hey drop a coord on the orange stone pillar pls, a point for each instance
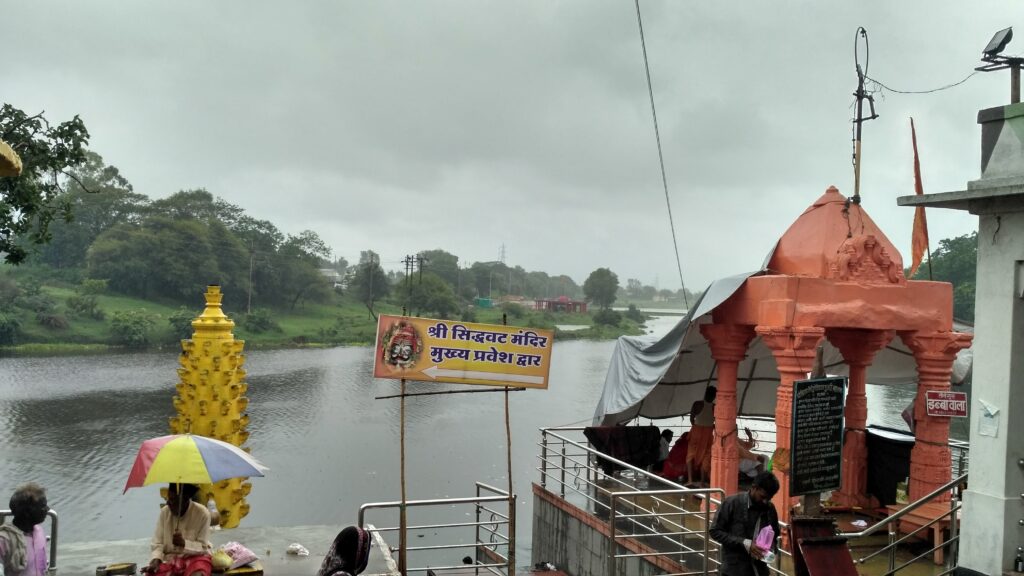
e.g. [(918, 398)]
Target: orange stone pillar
[(793, 348), (858, 348), (930, 458), (728, 343)]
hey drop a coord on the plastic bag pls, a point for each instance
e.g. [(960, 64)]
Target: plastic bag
[(297, 549), (240, 555), (766, 541)]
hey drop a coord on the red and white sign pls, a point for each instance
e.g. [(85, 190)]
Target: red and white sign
[(939, 403)]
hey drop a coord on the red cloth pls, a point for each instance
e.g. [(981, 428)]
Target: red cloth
[(675, 465), (919, 237), (185, 566), (699, 449)]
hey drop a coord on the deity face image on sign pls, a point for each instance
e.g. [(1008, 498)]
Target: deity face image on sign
[(402, 345)]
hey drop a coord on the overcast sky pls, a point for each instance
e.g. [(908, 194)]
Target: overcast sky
[(465, 126)]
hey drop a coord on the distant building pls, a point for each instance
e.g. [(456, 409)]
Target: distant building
[(560, 304), (332, 276)]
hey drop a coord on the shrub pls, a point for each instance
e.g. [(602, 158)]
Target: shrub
[(608, 317), (468, 315), (514, 310), (93, 286), (9, 292), (635, 314), (9, 328), (52, 320), (260, 320), (131, 327), (36, 301), (181, 323), (85, 306)]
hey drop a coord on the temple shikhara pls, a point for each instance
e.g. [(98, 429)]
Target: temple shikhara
[(834, 275)]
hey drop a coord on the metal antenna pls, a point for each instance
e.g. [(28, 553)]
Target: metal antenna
[(861, 95)]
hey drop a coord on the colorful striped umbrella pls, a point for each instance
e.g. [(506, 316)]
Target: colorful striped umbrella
[(190, 459)]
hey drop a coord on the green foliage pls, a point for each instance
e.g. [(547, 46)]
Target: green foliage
[(93, 286), (368, 282), (607, 317), (260, 320), (9, 328), (52, 320), (429, 295), (956, 261), (601, 286), (10, 291), (29, 202), (181, 323), (634, 314), (85, 306), (514, 310), (468, 315), (131, 328)]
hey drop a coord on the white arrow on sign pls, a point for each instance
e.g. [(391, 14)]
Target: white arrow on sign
[(435, 373)]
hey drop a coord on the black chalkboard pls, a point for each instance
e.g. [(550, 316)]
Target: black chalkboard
[(816, 454)]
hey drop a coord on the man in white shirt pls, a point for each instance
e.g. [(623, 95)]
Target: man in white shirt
[(181, 543)]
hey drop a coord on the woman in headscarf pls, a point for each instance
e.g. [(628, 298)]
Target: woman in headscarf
[(348, 554)]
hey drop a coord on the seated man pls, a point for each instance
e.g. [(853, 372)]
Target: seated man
[(181, 544), (350, 553), (664, 446), (23, 545)]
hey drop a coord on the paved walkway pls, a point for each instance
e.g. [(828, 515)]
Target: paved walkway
[(269, 543)]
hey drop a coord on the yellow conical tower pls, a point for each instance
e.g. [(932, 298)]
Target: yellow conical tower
[(211, 398)]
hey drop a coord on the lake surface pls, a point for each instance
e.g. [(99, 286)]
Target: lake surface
[(74, 424)]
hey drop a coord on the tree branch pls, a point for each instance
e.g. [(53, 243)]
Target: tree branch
[(19, 124), (80, 183)]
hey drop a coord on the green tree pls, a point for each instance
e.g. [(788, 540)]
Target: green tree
[(99, 198), (956, 261), (31, 201), (600, 287), (368, 282), (445, 265), (429, 295)]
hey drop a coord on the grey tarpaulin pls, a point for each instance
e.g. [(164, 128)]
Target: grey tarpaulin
[(661, 378)]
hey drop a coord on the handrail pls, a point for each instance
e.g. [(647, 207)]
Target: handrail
[(907, 510), (53, 536)]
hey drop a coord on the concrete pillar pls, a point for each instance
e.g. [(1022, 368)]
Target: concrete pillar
[(993, 503), (930, 459), (793, 349), (728, 343), (858, 348)]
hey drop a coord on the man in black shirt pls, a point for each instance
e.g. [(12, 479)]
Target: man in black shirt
[(737, 523)]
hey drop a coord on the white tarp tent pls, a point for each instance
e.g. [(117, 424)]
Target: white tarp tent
[(661, 378)]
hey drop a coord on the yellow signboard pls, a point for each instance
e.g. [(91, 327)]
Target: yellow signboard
[(462, 352)]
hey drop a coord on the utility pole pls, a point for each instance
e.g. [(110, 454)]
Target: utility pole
[(861, 95), (252, 259)]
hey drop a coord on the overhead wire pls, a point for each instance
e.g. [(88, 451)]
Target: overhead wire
[(661, 157)]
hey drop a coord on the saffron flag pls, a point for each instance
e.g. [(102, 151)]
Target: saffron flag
[(919, 237)]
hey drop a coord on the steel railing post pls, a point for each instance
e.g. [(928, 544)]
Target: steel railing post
[(543, 458), (562, 486), (892, 547), (954, 530), (612, 548), (707, 530), (512, 536)]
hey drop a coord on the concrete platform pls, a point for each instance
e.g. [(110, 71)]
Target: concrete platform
[(269, 543)]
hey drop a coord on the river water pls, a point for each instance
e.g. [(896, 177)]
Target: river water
[(74, 424)]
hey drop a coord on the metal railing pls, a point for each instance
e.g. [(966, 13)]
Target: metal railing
[(491, 530), (893, 522), (645, 509), (52, 537)]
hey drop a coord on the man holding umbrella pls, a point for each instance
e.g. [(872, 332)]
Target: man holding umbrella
[(181, 545)]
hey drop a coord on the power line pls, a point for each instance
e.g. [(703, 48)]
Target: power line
[(939, 89), (661, 158)]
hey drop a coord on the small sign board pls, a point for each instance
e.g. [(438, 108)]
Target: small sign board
[(945, 403), (462, 352), (816, 455)]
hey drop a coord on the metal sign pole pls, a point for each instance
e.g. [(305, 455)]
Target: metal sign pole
[(511, 497), (402, 525)]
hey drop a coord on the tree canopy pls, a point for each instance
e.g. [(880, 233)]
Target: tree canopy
[(31, 201), (601, 286), (955, 261)]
